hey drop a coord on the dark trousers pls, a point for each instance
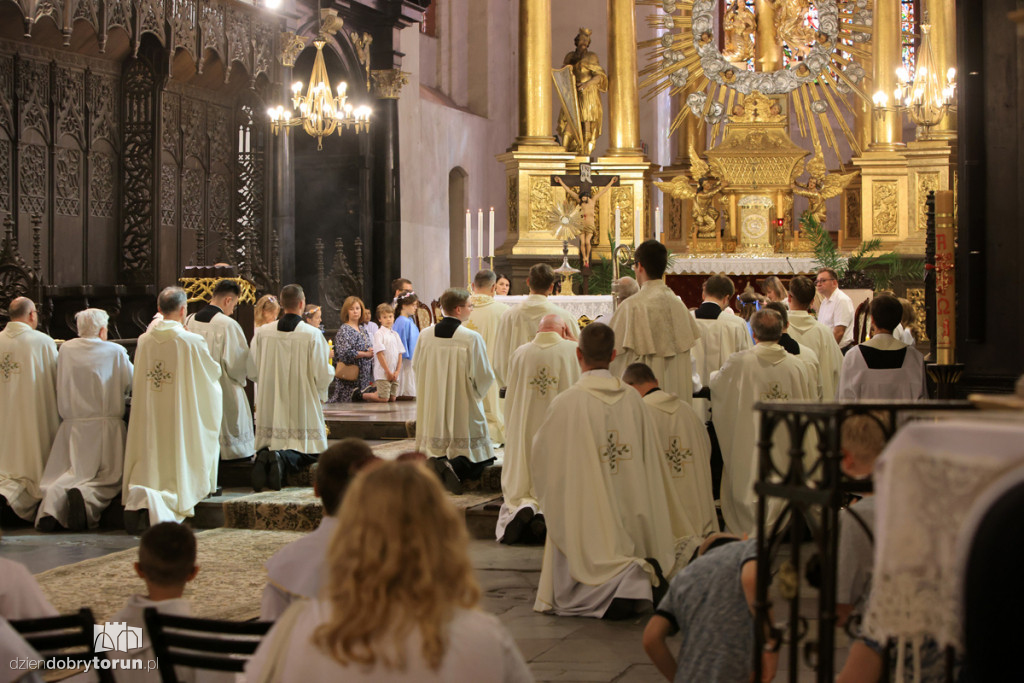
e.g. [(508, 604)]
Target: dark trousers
[(295, 462), (717, 464)]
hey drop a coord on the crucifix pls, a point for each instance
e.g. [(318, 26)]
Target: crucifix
[(587, 200)]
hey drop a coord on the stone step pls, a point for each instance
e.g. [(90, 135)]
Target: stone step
[(481, 519)]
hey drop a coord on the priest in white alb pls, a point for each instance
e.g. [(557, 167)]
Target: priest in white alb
[(452, 377), (765, 372), (290, 361), (485, 318), (86, 462), (519, 323), (540, 370), (226, 342), (686, 450), (883, 367), (173, 446), (803, 353), (28, 407), (654, 327), (596, 470), (805, 329), (722, 333)]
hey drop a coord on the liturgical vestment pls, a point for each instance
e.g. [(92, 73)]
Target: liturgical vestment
[(765, 372), (290, 360), (883, 367), (804, 328), (452, 378), (519, 325), (596, 470), (686, 450), (28, 413), (485, 318), (540, 370), (93, 378), (654, 327), (170, 460), (226, 341), (720, 337)]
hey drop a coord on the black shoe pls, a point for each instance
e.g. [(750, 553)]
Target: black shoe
[(78, 520), (469, 470), (658, 592), (259, 471), (538, 529), (136, 521), (447, 475), (515, 528), (621, 608), (47, 524), (275, 471)]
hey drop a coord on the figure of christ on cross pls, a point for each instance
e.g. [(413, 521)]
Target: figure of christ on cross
[(587, 202)]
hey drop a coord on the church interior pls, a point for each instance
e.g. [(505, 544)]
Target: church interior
[(491, 156)]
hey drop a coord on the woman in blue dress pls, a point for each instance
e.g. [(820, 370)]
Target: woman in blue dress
[(408, 332), (352, 346)]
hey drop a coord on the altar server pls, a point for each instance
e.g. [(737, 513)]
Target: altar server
[(290, 360), (765, 372), (722, 333), (519, 324), (485, 317), (173, 446), (452, 378), (805, 329), (28, 407), (803, 353), (686, 449), (654, 326), (227, 345), (595, 469), (84, 471), (883, 367), (540, 370)]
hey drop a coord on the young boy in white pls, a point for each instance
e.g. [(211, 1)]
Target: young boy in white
[(387, 355)]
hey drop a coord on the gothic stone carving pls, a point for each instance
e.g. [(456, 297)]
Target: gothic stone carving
[(926, 182), (513, 205), (193, 127), (192, 199), (387, 83), (71, 105), (68, 172), (239, 42), (32, 178), (181, 15), (885, 208), (101, 185), (170, 129), (103, 108), (137, 233), (34, 96), (5, 175), (168, 195), (211, 29)]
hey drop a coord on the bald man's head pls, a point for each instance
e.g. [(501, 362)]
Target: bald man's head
[(552, 323), (23, 310)]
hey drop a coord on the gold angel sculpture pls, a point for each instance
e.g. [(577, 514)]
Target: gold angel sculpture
[(739, 26), (791, 25), (820, 186), (703, 212)]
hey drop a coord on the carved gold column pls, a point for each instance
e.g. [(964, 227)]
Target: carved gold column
[(623, 98), (886, 132), (535, 73), (769, 49), (941, 16)]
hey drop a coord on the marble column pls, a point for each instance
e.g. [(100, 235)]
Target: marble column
[(623, 87), (535, 73), (943, 41), (283, 198), (385, 242), (886, 131)]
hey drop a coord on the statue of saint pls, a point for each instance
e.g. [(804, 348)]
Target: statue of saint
[(740, 25), (591, 81), (791, 25), (587, 206)]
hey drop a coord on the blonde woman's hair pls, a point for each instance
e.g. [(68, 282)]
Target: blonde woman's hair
[(397, 563), (266, 303)]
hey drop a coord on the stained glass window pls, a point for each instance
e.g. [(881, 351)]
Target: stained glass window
[(909, 20)]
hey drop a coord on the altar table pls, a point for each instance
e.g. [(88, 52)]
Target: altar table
[(695, 264), (589, 305)]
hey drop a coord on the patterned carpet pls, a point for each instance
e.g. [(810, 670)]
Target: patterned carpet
[(228, 586)]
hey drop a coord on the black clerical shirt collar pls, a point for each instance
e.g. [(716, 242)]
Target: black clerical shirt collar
[(446, 328), (652, 391), (288, 322), (207, 313), (708, 310)]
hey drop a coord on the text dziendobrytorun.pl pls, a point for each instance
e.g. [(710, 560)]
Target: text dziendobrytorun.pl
[(72, 664)]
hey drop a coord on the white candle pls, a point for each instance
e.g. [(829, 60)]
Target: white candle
[(480, 234), (469, 239), (638, 229), (491, 241), (618, 226), (657, 223)]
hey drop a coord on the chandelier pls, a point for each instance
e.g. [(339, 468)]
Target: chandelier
[(320, 111), (923, 97)]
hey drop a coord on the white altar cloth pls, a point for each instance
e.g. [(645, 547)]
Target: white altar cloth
[(590, 305), (694, 264)]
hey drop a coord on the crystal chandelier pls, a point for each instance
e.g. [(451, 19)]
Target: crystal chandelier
[(320, 111), (924, 98)]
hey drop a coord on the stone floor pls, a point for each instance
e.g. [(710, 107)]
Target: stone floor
[(557, 648)]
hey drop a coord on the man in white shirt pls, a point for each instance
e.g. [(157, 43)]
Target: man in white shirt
[(84, 471), (519, 323), (540, 370), (28, 407), (765, 372), (290, 360), (812, 334), (452, 378), (173, 445), (654, 327), (836, 309), (883, 367), (485, 318), (226, 342)]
